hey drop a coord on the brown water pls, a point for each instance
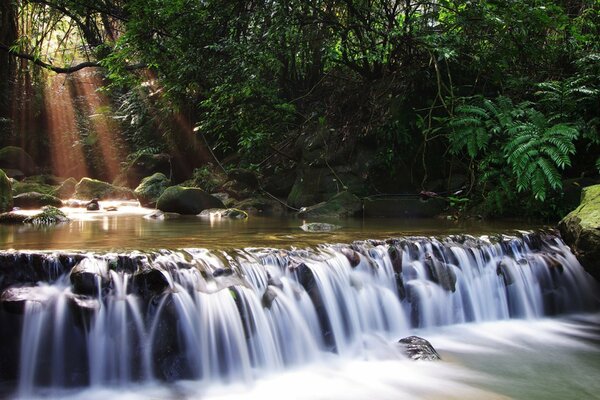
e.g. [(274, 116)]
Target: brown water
[(128, 229)]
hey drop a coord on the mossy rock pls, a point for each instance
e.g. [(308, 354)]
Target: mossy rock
[(581, 230), (49, 216), (6, 197), (27, 186), (344, 204), (67, 189), (87, 189), (35, 200), (12, 218), (16, 158), (186, 200), (150, 189), (231, 213)]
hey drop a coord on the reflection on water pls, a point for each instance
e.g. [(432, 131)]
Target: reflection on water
[(127, 229)]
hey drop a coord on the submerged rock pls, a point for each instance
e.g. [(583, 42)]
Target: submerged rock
[(34, 200), (319, 227), (581, 230), (150, 189), (417, 348), (232, 213), (6, 198), (186, 200)]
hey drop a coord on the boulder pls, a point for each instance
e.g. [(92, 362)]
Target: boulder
[(93, 205), (186, 200), (417, 348), (150, 189), (34, 200), (12, 218), (244, 177), (581, 230), (14, 299), (344, 204), (67, 189), (142, 166), (28, 185), (13, 157), (87, 189), (6, 197), (88, 276), (49, 216)]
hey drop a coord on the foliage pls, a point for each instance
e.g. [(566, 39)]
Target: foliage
[(514, 145)]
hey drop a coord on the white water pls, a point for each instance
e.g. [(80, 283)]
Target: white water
[(252, 323)]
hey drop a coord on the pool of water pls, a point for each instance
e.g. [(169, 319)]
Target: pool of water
[(128, 229)]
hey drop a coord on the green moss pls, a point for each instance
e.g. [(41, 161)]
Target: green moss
[(49, 216), (29, 186), (88, 188), (150, 189)]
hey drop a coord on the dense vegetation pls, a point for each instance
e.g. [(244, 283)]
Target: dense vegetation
[(504, 93)]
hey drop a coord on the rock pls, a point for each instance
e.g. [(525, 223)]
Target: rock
[(12, 218), (319, 227), (150, 189), (88, 188), (88, 276), (280, 183), (268, 297), (441, 273), (225, 198), (150, 282), (13, 157), (92, 205), (232, 213), (185, 200), (6, 197), (27, 186), (581, 230), (143, 166), (159, 215), (111, 208), (417, 348), (67, 189), (352, 256), (244, 176), (49, 216), (14, 299), (34, 200), (344, 204), (261, 205), (15, 174)]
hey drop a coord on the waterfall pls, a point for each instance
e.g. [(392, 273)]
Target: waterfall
[(215, 316)]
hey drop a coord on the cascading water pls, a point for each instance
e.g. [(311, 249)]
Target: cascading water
[(231, 316)]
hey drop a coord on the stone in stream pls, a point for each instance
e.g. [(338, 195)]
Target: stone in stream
[(352, 256), (34, 200), (49, 216), (344, 204), (66, 190), (88, 276), (14, 299), (88, 188), (232, 213), (12, 218), (93, 205), (319, 227), (150, 189), (417, 348), (186, 200)]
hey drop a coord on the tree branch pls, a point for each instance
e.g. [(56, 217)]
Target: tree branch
[(63, 70)]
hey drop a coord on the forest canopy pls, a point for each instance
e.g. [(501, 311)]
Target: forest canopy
[(505, 93)]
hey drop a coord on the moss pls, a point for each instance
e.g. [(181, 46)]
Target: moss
[(150, 189), (186, 200), (6, 198), (33, 200), (32, 186), (49, 216)]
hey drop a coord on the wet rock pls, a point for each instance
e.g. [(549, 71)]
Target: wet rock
[(319, 227), (232, 213), (6, 197), (67, 189), (159, 215), (13, 157), (12, 218), (88, 276), (503, 270), (92, 205), (111, 208), (150, 282), (417, 348), (581, 230), (88, 188), (268, 297), (14, 299), (222, 272), (186, 200), (150, 189), (34, 200), (441, 273), (344, 204), (395, 255), (352, 256), (49, 216)]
